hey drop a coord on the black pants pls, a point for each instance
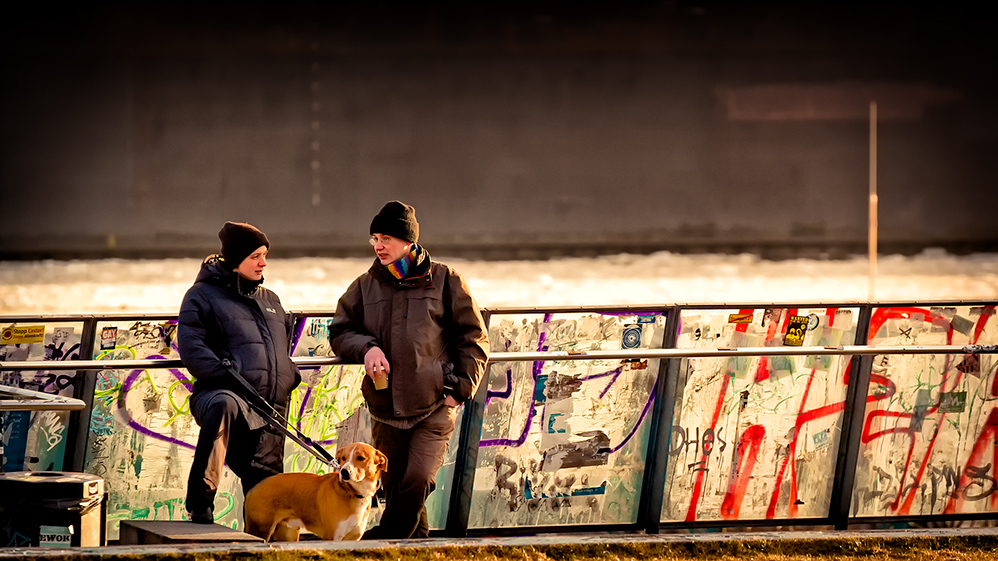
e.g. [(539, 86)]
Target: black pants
[(414, 457), (224, 439)]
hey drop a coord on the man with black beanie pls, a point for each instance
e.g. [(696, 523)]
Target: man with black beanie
[(416, 328), (230, 323)]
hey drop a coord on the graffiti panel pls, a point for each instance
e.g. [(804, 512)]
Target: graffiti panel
[(565, 442), (757, 437), (36, 440), (930, 431), (142, 436)]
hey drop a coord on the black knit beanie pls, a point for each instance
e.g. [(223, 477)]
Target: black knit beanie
[(397, 219), (239, 240)]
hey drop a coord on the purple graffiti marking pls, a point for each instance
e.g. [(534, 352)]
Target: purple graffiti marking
[(173, 344), (299, 328), (504, 393), (301, 415), (304, 403), (131, 422), (518, 441), (651, 399), (615, 373), (536, 371)]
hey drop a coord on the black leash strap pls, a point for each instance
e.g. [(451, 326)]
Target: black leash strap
[(278, 421)]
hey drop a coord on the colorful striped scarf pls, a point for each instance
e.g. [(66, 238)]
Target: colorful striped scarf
[(399, 268)]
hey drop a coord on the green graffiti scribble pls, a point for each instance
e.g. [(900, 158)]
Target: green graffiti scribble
[(230, 505), (107, 355), (179, 410)]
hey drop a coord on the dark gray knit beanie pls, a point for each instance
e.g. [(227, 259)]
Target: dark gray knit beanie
[(239, 240), (398, 220)]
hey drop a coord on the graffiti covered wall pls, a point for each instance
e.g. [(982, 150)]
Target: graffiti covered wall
[(930, 433), (757, 437), (36, 440), (565, 442)]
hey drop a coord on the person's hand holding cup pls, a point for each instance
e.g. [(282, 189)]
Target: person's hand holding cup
[(376, 365)]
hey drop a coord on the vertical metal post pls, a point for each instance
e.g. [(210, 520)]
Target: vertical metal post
[(86, 382), (466, 460), (852, 427), (660, 433), (873, 201)]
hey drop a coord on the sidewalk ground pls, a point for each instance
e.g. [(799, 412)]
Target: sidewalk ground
[(969, 543)]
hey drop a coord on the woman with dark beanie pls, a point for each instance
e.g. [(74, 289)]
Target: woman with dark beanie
[(230, 322), (413, 321)]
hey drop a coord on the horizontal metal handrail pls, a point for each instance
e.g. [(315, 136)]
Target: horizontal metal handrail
[(30, 400), (307, 361)]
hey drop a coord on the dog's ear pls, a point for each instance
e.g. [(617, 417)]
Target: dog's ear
[(381, 461)]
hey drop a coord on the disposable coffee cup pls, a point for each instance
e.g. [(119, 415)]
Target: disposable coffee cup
[(380, 379)]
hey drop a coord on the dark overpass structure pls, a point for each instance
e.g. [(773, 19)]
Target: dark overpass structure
[(516, 129)]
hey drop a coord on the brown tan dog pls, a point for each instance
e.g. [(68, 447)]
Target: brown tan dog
[(334, 506)]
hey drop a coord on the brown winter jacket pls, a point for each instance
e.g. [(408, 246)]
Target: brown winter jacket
[(427, 324)]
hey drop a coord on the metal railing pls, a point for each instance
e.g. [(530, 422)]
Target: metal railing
[(662, 415)]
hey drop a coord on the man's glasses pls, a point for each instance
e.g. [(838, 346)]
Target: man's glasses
[(382, 240)]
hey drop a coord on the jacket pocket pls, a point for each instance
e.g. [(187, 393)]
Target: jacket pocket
[(423, 316)]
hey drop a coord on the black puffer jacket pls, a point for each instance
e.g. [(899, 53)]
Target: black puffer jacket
[(218, 323)]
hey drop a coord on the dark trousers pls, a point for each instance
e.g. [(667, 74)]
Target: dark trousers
[(414, 457), (222, 424)]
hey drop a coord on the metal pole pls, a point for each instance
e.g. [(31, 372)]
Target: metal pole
[(873, 201), (466, 459), (722, 352), (660, 432), (852, 428)]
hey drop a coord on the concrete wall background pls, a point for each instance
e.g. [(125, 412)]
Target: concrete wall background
[(516, 130)]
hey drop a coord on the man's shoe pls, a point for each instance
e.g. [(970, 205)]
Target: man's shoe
[(374, 533), (202, 517)]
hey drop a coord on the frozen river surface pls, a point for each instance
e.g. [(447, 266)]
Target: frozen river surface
[(109, 286)]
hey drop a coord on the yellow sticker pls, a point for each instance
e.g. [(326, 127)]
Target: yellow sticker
[(740, 318), (796, 329), (21, 334)]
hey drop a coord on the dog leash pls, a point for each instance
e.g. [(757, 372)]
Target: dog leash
[(278, 421)]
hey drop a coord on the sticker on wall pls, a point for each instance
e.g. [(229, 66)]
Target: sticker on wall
[(812, 321), (647, 318), (771, 315), (796, 328), (915, 325), (962, 324), (952, 402), (22, 334), (971, 364), (539, 387), (941, 319), (822, 439), (108, 338), (986, 311), (593, 451), (634, 364), (740, 318), (631, 338), (781, 367)]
